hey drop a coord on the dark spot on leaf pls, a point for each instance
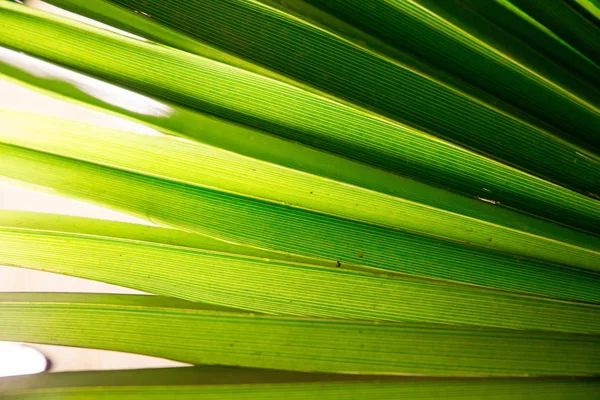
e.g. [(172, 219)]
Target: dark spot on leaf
[(360, 254), (338, 264)]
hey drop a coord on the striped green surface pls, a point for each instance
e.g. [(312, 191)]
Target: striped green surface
[(202, 270), (246, 383), (509, 29), (461, 219), (291, 109), (337, 59), (224, 214), (565, 19), (203, 376), (412, 26), (242, 339), (589, 8), (377, 196)]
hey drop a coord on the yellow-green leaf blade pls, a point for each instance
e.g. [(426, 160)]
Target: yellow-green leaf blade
[(300, 115), (463, 220), (233, 277), (211, 383), (240, 339)]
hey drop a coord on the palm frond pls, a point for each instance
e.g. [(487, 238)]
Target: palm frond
[(358, 199)]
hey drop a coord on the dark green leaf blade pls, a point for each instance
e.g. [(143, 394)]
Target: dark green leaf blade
[(201, 376), (419, 28), (514, 32), (568, 23)]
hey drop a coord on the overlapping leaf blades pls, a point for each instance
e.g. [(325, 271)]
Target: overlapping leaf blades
[(338, 59), (210, 383), (233, 93), (524, 39), (141, 324), (239, 277), (246, 201), (474, 60), (320, 236)]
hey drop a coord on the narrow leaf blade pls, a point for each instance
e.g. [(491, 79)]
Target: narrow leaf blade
[(208, 337)]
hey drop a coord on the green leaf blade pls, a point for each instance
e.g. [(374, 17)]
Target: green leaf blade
[(566, 21), (265, 32), (422, 156), (417, 27), (167, 384), (290, 230), (238, 277), (214, 169), (295, 344)]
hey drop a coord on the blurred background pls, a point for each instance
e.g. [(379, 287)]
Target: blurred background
[(15, 358)]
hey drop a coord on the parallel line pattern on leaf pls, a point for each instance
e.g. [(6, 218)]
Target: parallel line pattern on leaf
[(295, 344), (263, 102), (282, 285)]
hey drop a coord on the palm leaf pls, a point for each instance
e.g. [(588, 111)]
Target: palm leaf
[(244, 383), (201, 269), (200, 376), (372, 189), (524, 39), (272, 25), (589, 8), (121, 322), (212, 168), (354, 66), (305, 116), (237, 197), (454, 47), (565, 20)]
